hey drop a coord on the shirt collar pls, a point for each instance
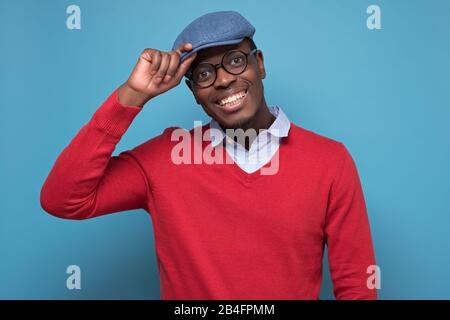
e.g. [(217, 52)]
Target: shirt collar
[(279, 128)]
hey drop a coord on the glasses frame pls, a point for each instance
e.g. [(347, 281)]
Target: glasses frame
[(220, 65)]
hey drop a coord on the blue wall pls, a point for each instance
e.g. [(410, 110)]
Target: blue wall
[(384, 93)]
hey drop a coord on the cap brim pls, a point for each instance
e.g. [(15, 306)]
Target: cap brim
[(186, 55)]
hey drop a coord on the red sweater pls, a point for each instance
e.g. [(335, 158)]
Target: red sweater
[(221, 233)]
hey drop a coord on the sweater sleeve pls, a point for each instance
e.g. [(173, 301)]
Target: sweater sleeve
[(347, 232), (85, 180)]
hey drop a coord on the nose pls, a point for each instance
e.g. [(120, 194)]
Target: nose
[(223, 78)]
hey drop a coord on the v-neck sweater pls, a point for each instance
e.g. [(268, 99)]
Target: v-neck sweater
[(219, 232)]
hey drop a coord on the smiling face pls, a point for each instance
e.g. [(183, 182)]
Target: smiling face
[(234, 101)]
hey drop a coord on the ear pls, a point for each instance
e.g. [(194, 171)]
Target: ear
[(188, 83), (260, 61)]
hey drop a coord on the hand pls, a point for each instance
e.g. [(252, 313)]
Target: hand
[(155, 73)]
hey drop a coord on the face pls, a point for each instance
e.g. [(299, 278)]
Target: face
[(247, 86)]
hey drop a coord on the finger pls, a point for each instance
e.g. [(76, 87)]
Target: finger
[(173, 66), (159, 76), (184, 66), (147, 55), (184, 47), (156, 62)]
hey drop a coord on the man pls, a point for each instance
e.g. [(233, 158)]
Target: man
[(222, 230)]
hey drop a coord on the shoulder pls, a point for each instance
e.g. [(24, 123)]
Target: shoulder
[(158, 145), (312, 141), (328, 155), (319, 149)]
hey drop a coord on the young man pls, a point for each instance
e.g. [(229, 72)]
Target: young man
[(223, 229)]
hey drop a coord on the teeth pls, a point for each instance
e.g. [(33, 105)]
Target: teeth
[(232, 98)]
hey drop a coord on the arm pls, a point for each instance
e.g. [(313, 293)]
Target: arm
[(348, 236), (85, 180)]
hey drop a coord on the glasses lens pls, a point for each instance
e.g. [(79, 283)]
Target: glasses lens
[(203, 74), (235, 62)]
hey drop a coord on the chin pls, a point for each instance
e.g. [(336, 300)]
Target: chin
[(238, 120)]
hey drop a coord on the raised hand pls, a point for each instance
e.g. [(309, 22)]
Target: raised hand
[(155, 73)]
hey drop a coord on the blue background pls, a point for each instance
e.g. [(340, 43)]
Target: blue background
[(384, 93)]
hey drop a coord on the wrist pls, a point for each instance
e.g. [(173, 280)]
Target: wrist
[(129, 97)]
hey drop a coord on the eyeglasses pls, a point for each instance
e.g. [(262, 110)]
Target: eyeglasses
[(234, 62)]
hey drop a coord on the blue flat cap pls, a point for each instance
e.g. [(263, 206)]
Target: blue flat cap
[(214, 29)]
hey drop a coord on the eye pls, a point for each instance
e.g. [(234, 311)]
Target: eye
[(203, 74), (236, 60)]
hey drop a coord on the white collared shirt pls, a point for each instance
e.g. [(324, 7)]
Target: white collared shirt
[(262, 148)]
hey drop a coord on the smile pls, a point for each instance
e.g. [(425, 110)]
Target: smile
[(233, 102)]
